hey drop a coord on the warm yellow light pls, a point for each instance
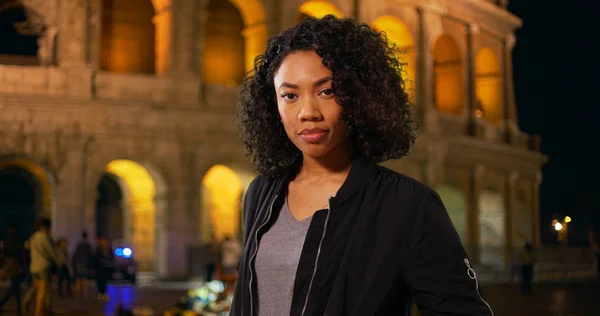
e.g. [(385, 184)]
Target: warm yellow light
[(479, 113), (558, 226), (448, 76), (400, 37), (319, 9), (488, 84), (224, 188), (141, 190), (567, 219)]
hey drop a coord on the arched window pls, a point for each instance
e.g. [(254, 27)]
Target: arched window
[(224, 48), (488, 85), (128, 37), (448, 76)]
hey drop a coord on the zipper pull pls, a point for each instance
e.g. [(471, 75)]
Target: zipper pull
[(470, 270)]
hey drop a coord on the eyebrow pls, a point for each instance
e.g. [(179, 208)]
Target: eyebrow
[(294, 86)]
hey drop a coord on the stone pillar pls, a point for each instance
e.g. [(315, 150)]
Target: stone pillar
[(535, 230), (509, 121), (163, 49), (473, 190), (184, 30), (471, 92), (73, 32), (255, 39), (510, 226), (424, 74)]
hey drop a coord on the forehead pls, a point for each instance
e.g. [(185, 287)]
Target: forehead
[(301, 66)]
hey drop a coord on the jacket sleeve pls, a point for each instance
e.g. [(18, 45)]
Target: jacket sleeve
[(438, 270)]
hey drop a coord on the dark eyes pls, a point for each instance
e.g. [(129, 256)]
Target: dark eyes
[(291, 97), (326, 92)]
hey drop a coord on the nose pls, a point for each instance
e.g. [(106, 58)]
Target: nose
[(310, 111)]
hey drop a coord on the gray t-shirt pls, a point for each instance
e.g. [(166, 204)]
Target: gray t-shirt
[(277, 261)]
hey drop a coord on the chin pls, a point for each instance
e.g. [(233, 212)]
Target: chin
[(315, 151)]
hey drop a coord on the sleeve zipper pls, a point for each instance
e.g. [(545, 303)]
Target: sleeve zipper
[(473, 276)]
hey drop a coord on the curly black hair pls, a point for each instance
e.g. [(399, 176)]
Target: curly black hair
[(367, 83)]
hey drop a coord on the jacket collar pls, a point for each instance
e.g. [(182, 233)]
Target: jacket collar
[(361, 170)]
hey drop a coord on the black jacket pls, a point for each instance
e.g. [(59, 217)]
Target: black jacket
[(384, 240)]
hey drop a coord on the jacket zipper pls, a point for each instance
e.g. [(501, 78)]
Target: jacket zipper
[(312, 278), (473, 276), (256, 251)]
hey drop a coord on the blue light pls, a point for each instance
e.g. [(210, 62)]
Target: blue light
[(127, 252), (119, 252)]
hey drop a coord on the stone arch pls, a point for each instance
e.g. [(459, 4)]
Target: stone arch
[(318, 9), (36, 183), (144, 206), (455, 201), (223, 49), (448, 69), (221, 192), (488, 86), (29, 27), (399, 35), (128, 42)]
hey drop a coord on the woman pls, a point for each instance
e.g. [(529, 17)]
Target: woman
[(13, 266), (327, 230)]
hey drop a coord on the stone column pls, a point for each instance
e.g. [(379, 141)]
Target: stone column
[(73, 32), (163, 49), (424, 73), (510, 231), (255, 39), (535, 230), (509, 122), (471, 92), (473, 190)]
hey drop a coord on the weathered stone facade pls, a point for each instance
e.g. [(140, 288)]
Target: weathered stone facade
[(70, 118)]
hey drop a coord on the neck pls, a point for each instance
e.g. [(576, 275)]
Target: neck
[(337, 162)]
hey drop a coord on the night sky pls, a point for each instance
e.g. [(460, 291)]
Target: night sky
[(556, 74)]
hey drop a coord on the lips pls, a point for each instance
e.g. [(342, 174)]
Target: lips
[(313, 135)]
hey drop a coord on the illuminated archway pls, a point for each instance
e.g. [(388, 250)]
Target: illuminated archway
[(488, 85), (318, 9), (492, 232), (143, 206), (456, 204), (223, 49), (448, 76), (398, 35), (222, 189), (222, 194), (128, 37)]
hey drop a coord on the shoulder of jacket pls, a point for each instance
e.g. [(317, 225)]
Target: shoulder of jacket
[(404, 185)]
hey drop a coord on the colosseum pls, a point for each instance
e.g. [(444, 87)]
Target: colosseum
[(116, 117)]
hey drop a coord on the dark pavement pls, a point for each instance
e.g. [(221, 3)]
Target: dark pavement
[(506, 300)]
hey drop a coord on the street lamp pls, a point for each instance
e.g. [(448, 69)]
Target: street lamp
[(562, 228)]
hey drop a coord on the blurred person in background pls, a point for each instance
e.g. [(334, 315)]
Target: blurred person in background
[(13, 265), (64, 273), (82, 264), (104, 266)]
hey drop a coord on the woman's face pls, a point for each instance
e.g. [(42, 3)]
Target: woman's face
[(309, 112)]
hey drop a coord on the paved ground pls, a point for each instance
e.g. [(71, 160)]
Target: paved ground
[(506, 300)]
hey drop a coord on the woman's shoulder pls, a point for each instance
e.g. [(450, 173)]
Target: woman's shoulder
[(400, 185)]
